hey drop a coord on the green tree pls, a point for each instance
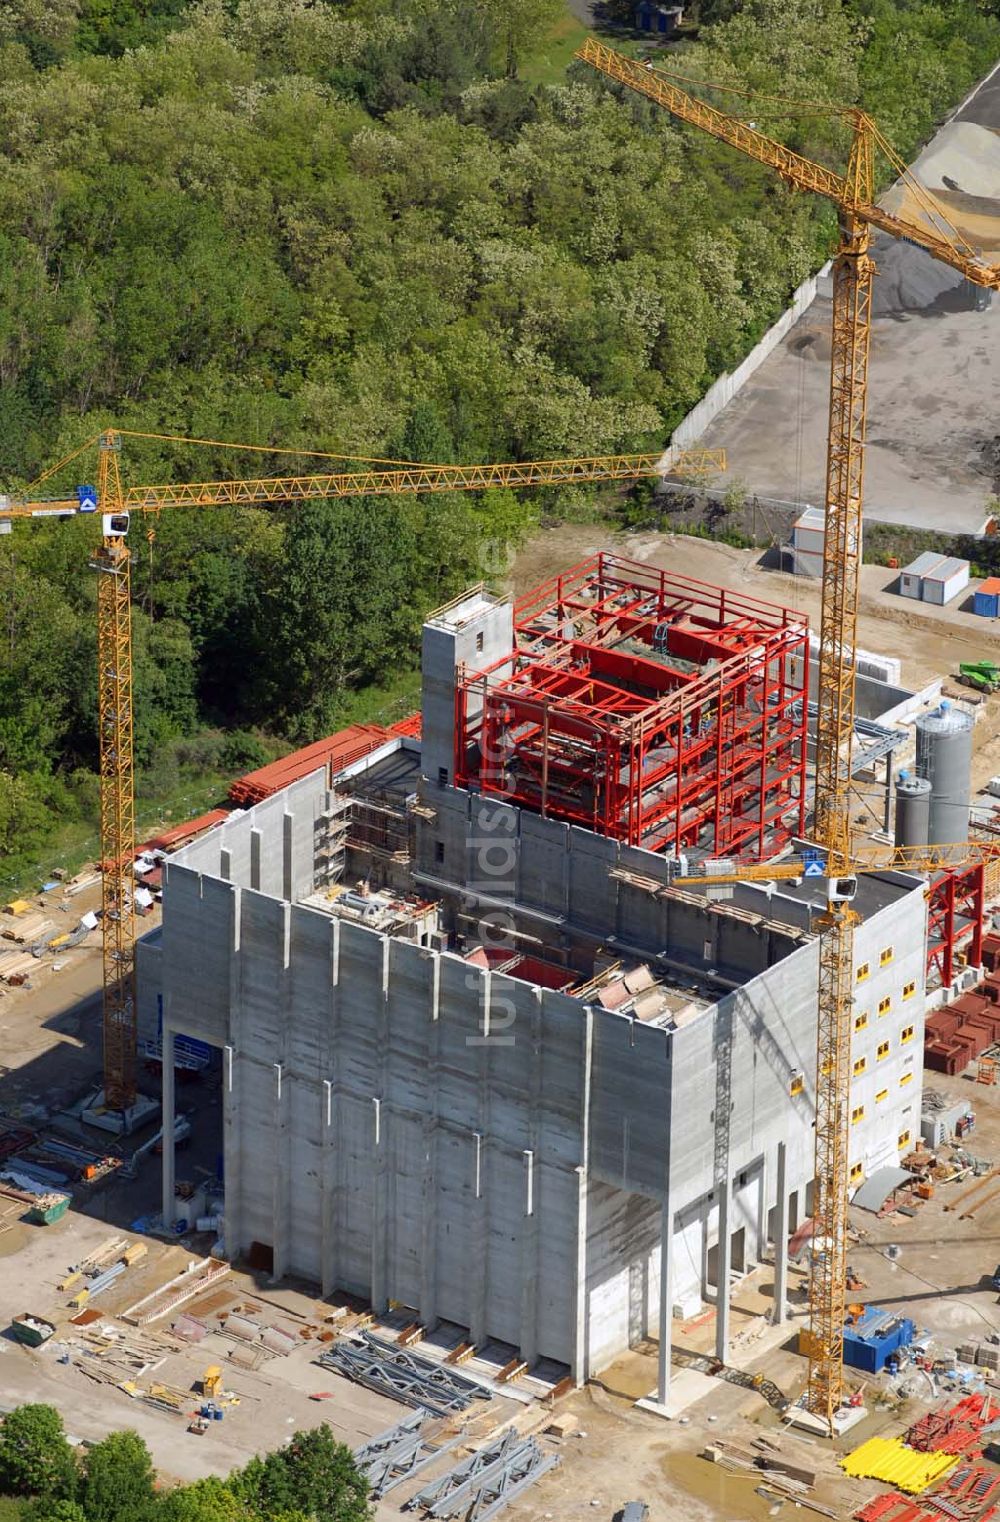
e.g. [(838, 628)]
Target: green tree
[(118, 1480), (57, 1511), (314, 1475), (336, 612), (35, 1458), (23, 815), (519, 24), (209, 1500)]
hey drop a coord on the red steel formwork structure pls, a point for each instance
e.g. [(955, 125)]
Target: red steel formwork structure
[(644, 705)]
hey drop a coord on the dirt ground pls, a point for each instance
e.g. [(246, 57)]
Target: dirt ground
[(50, 1027), (929, 420), (274, 1400)]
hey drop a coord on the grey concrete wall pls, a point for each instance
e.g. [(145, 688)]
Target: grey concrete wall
[(450, 640), (416, 1155), (270, 847), (404, 1125), (554, 878), (148, 982), (623, 1240)]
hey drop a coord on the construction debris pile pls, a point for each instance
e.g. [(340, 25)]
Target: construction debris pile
[(786, 1472)]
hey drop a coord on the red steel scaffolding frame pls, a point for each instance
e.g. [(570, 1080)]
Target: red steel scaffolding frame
[(646, 706), (956, 908)]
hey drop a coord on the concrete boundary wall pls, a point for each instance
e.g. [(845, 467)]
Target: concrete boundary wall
[(729, 384)]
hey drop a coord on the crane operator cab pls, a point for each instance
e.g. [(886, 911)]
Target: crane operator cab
[(114, 525), (840, 890)]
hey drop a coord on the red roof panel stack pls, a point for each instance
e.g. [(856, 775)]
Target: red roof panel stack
[(410, 727), (336, 752), (181, 834)]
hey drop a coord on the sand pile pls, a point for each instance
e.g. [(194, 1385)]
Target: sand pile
[(908, 280), (963, 157)]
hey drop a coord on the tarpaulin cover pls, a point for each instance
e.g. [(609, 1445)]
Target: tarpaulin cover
[(874, 1192)]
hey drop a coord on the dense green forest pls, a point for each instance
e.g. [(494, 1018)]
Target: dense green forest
[(358, 226)]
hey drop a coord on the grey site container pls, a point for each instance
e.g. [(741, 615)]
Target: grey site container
[(944, 757), (913, 809), (937, 1125)]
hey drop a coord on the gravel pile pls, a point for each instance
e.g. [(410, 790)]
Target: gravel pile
[(964, 162), (908, 280)]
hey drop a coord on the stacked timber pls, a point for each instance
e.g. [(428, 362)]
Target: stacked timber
[(16, 967), (27, 928)]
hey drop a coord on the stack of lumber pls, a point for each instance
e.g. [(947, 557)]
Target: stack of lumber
[(27, 928), (16, 967)]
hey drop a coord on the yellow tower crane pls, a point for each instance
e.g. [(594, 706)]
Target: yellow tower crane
[(853, 194), (115, 503)]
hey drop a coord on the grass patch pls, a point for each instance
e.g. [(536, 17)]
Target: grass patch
[(188, 777), (386, 704), (549, 64), (74, 843), (12, 1509)]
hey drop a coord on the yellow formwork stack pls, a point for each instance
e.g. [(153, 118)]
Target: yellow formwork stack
[(889, 1459)]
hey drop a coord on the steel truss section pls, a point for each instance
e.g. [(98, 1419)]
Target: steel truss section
[(442, 1495), (403, 1375), (522, 1471), (643, 705), (481, 1485), (398, 1453)]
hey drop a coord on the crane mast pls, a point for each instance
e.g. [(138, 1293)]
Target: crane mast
[(117, 784), (852, 292), (853, 195)]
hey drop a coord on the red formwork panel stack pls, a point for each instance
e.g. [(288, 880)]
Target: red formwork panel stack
[(958, 1033), (945, 1051), (991, 952)]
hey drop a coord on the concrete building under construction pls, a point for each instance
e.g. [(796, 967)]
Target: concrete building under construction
[(479, 1055)]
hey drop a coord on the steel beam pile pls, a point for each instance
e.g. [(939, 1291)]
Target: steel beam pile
[(483, 1484), (397, 1454), (403, 1375)]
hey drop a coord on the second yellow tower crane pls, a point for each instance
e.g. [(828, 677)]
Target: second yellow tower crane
[(853, 194)]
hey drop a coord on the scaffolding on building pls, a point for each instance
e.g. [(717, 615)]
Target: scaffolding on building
[(649, 707)]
